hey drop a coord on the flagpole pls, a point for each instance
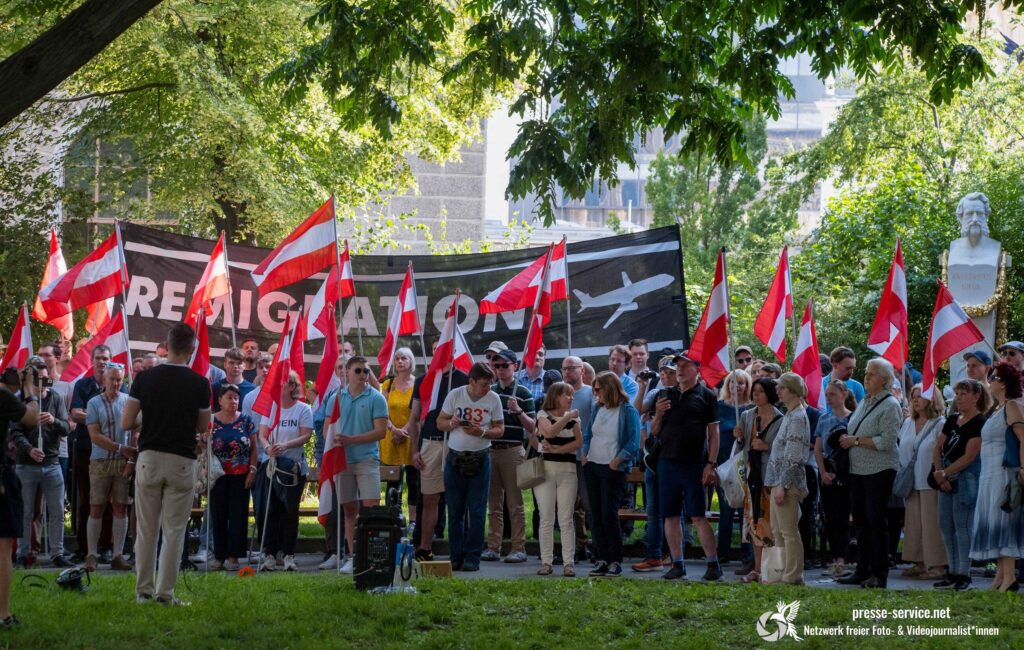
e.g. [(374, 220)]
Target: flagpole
[(124, 283), (536, 305), (568, 303), (423, 345), (451, 373), (729, 341), (792, 299), (337, 511), (231, 302)]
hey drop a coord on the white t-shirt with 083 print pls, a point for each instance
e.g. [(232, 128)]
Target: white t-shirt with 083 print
[(481, 412)]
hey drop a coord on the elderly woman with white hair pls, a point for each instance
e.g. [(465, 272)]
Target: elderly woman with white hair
[(874, 459), (786, 475)]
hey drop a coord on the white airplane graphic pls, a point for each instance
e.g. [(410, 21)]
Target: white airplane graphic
[(625, 297)]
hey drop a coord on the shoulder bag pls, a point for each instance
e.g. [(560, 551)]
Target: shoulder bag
[(838, 461), (904, 483)]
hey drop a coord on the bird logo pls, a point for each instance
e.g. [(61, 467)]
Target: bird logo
[(772, 626)]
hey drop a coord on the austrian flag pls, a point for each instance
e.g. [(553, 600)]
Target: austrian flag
[(710, 345), (951, 331), (307, 250), (55, 267), (521, 291), (404, 320), (213, 284), (451, 349), (770, 326), (99, 276)]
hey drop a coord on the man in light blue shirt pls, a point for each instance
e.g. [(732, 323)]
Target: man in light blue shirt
[(844, 362), (363, 422), (618, 360)]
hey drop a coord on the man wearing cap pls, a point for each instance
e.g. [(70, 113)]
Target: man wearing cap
[(493, 348), (686, 422), (1012, 352), (507, 453), (744, 356), (979, 365)]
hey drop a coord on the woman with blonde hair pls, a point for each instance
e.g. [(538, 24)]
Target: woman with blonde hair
[(786, 476), (396, 448), (733, 399), (610, 442), (922, 538), (558, 436)]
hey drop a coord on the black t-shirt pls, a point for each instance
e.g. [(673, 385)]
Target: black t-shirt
[(957, 436), (684, 427), (429, 430), (514, 431), (250, 375), (12, 409), (171, 397)]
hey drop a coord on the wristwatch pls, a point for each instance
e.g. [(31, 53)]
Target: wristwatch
[(856, 441)]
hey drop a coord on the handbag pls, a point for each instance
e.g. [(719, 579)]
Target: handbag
[(652, 452), (284, 470), (1013, 494), (730, 477), (904, 483), (530, 473), (773, 564), (207, 470)]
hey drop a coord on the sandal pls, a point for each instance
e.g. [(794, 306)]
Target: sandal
[(568, 571), (753, 576), (544, 570)]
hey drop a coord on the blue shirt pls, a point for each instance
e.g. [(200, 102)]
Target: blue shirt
[(855, 387), (630, 386), (535, 386), (357, 416), (244, 388), (106, 414), (85, 389), (727, 415)]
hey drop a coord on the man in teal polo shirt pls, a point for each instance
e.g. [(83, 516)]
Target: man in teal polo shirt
[(364, 418)]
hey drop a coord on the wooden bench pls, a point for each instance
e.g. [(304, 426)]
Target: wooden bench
[(636, 476)]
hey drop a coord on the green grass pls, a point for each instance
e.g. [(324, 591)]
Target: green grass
[(306, 611)]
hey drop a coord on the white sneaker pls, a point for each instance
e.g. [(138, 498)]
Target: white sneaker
[(269, 564), (289, 563), (347, 567), (330, 563), (231, 566), (215, 565)]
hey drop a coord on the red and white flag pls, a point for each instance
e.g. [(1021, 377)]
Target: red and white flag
[(710, 344), (521, 291), (332, 463), (348, 278), (540, 317), (951, 331), (404, 320), (268, 401), (323, 306), (55, 267), (326, 379), (112, 335), (777, 310), (451, 349), (806, 361), (19, 348), (99, 276), (98, 314), (309, 249), (888, 337), (200, 361), (213, 284)]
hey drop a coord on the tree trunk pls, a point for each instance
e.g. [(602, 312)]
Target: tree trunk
[(28, 74), (231, 219)]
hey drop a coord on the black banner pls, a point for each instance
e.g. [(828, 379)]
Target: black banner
[(621, 287)]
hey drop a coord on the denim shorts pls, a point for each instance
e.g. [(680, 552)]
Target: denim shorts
[(680, 490)]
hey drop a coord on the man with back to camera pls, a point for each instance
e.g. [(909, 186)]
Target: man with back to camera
[(175, 406)]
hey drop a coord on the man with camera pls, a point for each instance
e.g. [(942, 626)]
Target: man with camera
[(473, 416), (686, 424), (36, 451)]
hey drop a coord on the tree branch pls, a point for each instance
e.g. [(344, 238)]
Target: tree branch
[(36, 69), (108, 93)]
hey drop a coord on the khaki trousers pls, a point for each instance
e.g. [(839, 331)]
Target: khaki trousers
[(922, 539), (163, 501), (503, 486), (786, 531)]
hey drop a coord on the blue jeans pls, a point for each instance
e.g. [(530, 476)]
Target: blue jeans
[(466, 497), (956, 518), (655, 522), (50, 480)]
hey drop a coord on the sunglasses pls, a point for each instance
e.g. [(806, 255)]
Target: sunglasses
[(1010, 353), (995, 378), (744, 359), (501, 365), (115, 366), (361, 371)]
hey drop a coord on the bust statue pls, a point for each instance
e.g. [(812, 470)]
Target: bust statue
[(972, 269)]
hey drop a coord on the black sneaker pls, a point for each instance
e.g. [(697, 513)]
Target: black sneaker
[(600, 569), (744, 569), (424, 555), (614, 570), (457, 565), (62, 562), (187, 565), (946, 583), (9, 622), (963, 583), (21, 562), (470, 566), (713, 573), (675, 573)]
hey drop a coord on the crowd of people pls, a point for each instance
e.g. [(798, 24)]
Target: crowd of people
[(876, 465)]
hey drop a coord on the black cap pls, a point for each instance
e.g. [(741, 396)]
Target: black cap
[(509, 355)]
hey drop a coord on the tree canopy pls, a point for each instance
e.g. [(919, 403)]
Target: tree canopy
[(593, 75)]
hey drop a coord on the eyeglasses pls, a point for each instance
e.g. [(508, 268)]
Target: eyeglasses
[(744, 359), (564, 368), (1010, 352), (501, 365), (360, 370), (995, 378)]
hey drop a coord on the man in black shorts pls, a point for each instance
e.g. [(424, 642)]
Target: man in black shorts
[(175, 405), (12, 409)]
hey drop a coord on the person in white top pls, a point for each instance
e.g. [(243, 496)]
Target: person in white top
[(284, 445), (922, 538), (473, 417)]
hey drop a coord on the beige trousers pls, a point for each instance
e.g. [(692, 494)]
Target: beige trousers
[(786, 531), (503, 486), (922, 539), (163, 501), (557, 494)]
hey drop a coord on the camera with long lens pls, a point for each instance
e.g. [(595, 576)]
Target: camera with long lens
[(646, 375)]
